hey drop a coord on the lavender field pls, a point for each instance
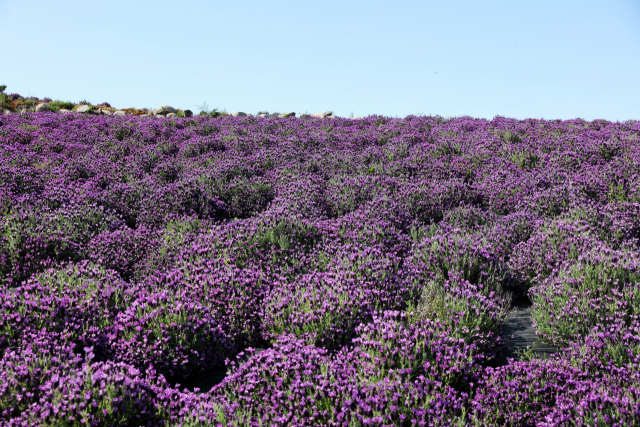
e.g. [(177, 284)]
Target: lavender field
[(375, 260)]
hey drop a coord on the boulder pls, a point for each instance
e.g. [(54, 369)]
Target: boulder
[(166, 109), (105, 112), (332, 116), (285, 115), (119, 113), (239, 114), (83, 108), (320, 115), (328, 113), (6, 112), (356, 118), (42, 107), (170, 115), (188, 113), (64, 111), (265, 115)]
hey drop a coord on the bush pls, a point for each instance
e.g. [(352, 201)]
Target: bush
[(57, 105), (5, 103)]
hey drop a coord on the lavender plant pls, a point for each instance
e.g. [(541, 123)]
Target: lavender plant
[(374, 259)]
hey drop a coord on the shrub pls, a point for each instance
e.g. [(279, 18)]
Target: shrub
[(57, 105)]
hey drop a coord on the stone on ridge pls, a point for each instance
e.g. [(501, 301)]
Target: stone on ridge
[(239, 114), (285, 115), (166, 109), (119, 113), (320, 115), (83, 108), (42, 107), (188, 113), (171, 115)]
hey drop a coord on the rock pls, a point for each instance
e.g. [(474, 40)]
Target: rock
[(105, 112), (239, 114), (170, 115), (166, 109), (188, 113), (6, 112), (83, 108), (356, 118), (320, 115), (285, 115), (331, 116), (328, 113), (119, 113), (64, 111), (42, 107), (263, 115)]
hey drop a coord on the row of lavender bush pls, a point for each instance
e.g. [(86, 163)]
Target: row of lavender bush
[(375, 258)]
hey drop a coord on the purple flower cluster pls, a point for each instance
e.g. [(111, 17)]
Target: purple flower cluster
[(375, 260)]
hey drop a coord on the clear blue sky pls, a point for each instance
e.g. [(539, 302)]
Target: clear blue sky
[(538, 58)]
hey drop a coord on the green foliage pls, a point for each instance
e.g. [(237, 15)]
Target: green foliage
[(57, 105), (525, 160), (5, 103), (3, 88), (617, 193), (512, 138)]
